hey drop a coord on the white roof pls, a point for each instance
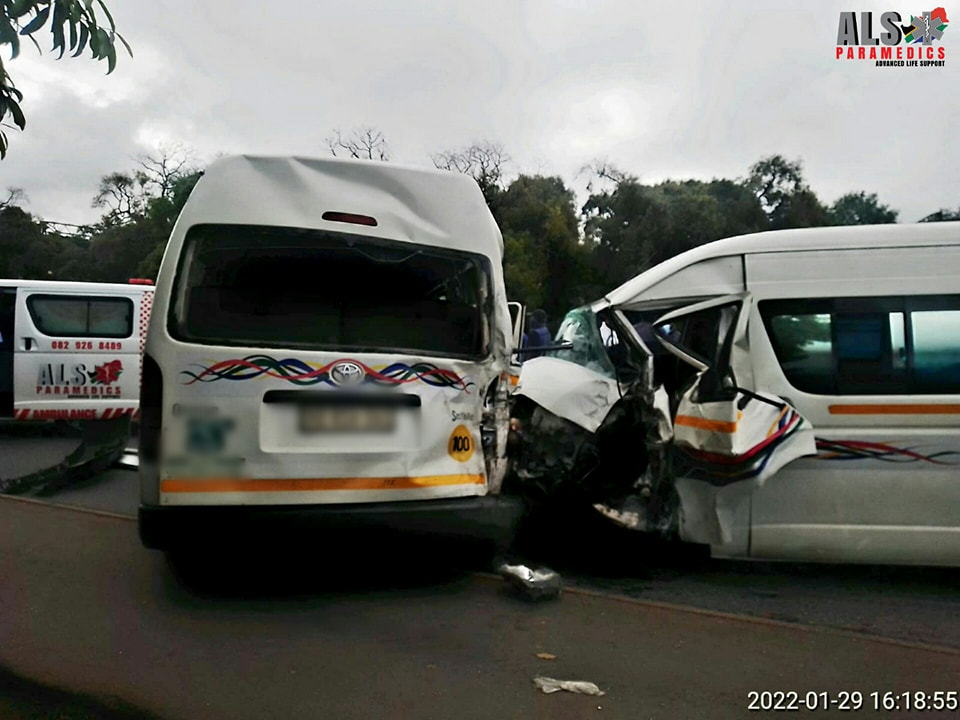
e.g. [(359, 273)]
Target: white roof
[(82, 287), (847, 237), (426, 206)]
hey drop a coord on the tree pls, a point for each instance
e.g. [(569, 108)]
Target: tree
[(631, 226), (363, 143), (74, 25), (942, 215), (126, 195), (162, 214), (860, 209), (15, 196), (483, 161), (141, 207), (779, 185), (27, 249), (545, 264), (123, 195)]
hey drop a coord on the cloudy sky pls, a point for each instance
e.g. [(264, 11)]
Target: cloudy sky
[(662, 91)]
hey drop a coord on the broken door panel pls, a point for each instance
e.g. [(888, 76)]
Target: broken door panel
[(703, 335), (727, 439)]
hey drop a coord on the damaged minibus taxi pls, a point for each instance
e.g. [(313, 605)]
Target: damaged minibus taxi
[(330, 344), (788, 395)]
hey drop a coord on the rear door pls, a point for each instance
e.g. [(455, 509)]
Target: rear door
[(76, 353)]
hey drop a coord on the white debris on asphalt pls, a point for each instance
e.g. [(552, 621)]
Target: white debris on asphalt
[(549, 685), (535, 583)]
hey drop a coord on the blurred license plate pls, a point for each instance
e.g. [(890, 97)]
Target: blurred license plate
[(347, 420)]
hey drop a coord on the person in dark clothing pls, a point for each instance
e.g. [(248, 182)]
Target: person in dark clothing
[(537, 333)]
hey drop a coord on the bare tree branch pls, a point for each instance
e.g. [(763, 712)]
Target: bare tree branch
[(484, 161), (363, 143), (15, 196), (126, 195), (161, 171)]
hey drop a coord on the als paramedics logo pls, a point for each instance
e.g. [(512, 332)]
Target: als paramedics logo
[(899, 44), (78, 380)]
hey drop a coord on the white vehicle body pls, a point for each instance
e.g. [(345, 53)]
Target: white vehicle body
[(71, 350), (854, 330), (327, 333)]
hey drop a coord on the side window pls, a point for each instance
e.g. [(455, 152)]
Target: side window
[(81, 316), (803, 342), (935, 338), (863, 346)]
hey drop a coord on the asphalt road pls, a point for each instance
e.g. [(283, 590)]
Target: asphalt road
[(913, 604), (299, 633)]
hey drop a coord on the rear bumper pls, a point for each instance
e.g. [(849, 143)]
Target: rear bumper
[(492, 519)]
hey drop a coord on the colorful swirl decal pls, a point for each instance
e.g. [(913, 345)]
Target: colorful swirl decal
[(858, 450), (299, 372)]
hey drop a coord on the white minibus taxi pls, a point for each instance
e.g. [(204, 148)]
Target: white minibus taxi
[(330, 343), (799, 395), (71, 350)]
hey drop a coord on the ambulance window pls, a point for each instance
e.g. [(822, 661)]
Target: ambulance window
[(81, 316)]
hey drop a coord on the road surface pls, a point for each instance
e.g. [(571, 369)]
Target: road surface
[(912, 604)]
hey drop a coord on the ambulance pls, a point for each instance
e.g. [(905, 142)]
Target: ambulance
[(71, 350)]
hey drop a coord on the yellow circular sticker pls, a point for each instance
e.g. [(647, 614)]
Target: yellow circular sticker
[(460, 447)]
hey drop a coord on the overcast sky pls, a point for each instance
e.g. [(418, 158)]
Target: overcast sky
[(662, 91)]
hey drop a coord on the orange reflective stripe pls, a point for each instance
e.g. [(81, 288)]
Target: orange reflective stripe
[(229, 485), (724, 426), (915, 409)]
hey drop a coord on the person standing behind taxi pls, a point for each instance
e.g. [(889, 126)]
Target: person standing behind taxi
[(537, 334)]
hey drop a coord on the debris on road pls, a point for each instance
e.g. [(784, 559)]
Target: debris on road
[(43, 457), (546, 656), (549, 686), (534, 583), (129, 460)]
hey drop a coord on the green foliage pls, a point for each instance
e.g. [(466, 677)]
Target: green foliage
[(545, 265), (555, 257), (632, 227), (75, 26), (784, 195), (942, 216), (29, 249), (141, 208), (483, 161), (861, 209)]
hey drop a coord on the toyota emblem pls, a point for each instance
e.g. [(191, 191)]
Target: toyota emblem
[(347, 373)]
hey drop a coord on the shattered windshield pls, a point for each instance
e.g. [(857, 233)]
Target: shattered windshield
[(581, 329), (287, 287)]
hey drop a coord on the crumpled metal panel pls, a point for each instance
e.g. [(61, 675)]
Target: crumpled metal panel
[(569, 391)]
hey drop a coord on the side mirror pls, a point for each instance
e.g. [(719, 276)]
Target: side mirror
[(518, 314)]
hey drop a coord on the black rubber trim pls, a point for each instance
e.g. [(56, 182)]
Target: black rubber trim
[(488, 518)]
